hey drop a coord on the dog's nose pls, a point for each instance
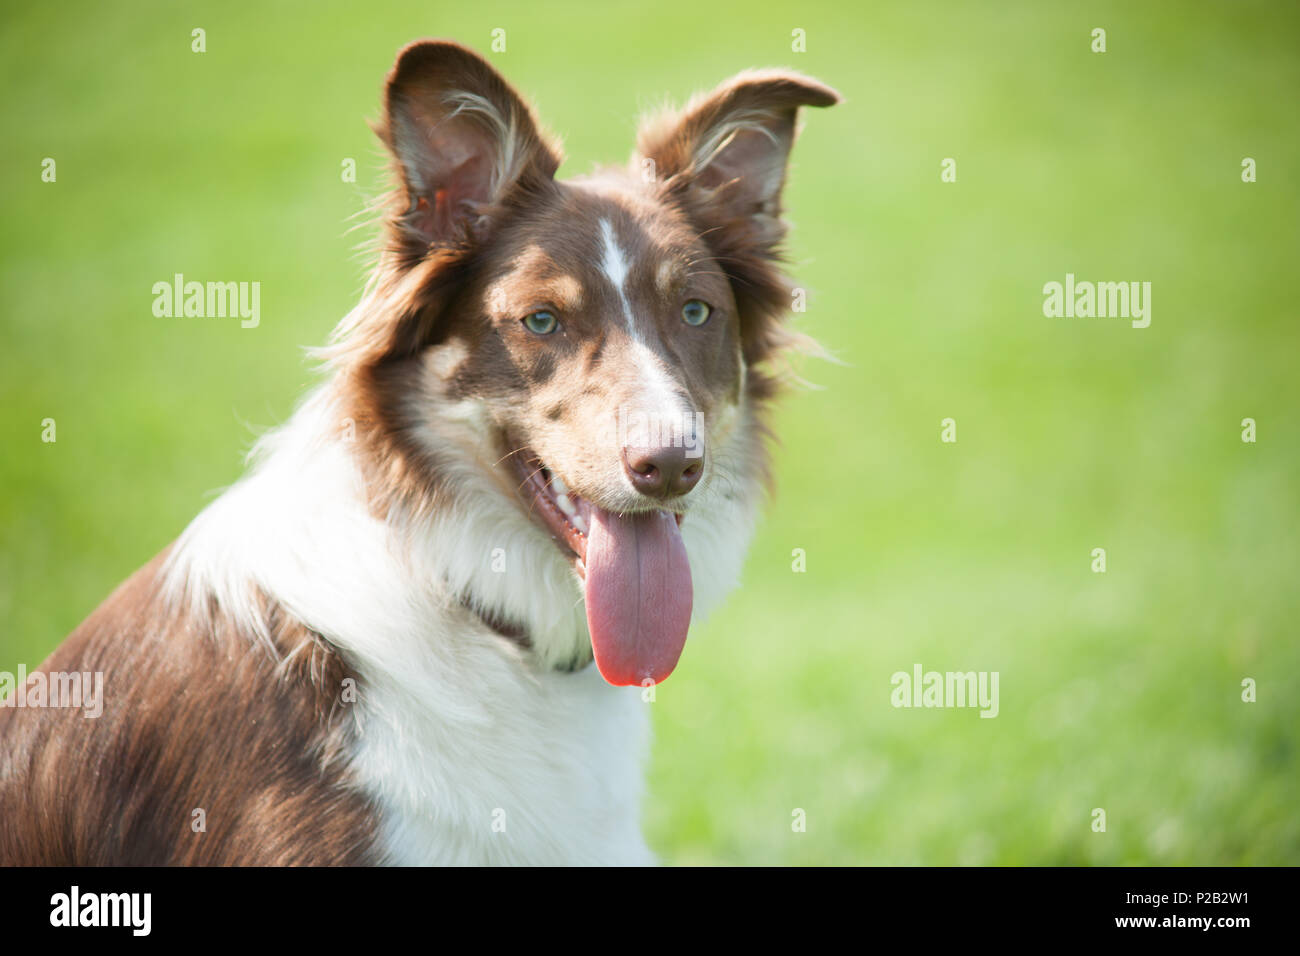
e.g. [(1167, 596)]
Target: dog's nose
[(663, 472)]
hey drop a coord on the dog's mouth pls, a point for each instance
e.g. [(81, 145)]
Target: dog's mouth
[(566, 515), (635, 573)]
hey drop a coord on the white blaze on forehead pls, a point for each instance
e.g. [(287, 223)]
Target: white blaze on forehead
[(661, 402), (614, 263)]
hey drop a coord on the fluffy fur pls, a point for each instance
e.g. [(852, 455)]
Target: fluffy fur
[(374, 620)]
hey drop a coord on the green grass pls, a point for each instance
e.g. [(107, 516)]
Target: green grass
[(1118, 690)]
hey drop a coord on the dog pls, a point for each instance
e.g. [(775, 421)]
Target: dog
[(422, 628)]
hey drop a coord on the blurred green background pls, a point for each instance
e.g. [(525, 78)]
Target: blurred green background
[(1119, 690)]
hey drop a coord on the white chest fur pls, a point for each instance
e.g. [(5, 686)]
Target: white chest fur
[(546, 768), (474, 750)]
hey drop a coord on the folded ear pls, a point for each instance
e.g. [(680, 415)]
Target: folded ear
[(462, 140), (725, 154)]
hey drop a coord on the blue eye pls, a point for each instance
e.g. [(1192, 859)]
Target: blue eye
[(696, 312), (542, 322)]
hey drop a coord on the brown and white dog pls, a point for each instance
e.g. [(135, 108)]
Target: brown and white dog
[(540, 446)]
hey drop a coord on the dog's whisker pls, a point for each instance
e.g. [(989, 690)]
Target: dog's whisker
[(508, 454)]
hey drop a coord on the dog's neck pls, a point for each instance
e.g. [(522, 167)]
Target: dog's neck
[(302, 527)]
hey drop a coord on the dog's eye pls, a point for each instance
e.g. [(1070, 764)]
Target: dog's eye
[(541, 322), (696, 312)]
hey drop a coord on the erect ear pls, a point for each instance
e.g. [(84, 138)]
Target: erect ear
[(462, 140), (725, 154)]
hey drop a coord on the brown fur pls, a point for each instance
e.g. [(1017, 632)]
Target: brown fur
[(251, 728), (711, 214), (196, 716)]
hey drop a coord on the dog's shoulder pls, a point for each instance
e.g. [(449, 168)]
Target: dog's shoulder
[(211, 746)]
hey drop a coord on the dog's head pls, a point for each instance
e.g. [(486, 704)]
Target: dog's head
[(598, 344)]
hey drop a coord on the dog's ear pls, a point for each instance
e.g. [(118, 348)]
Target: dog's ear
[(725, 154), (723, 160), (462, 141)]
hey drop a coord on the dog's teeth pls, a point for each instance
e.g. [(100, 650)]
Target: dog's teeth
[(560, 487), (566, 505), (579, 523)]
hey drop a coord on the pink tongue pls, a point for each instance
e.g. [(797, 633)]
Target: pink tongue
[(638, 595)]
